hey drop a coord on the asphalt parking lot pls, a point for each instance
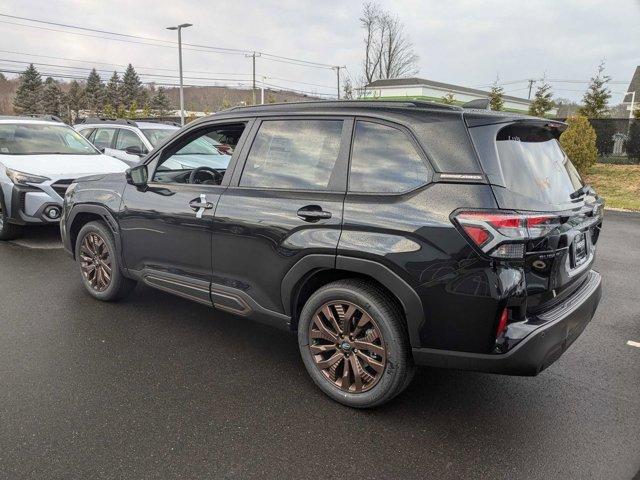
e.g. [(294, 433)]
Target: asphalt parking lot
[(158, 387)]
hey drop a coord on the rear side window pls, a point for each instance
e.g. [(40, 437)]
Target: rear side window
[(384, 160), (103, 137), (293, 154)]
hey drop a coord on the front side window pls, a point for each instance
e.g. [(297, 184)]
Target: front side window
[(42, 139), (384, 160), (293, 154), (129, 140), (199, 157)]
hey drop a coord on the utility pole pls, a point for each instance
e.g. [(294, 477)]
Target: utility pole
[(531, 82), (253, 58), (337, 69), (179, 29), (264, 79)]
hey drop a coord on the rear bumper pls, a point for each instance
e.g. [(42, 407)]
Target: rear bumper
[(558, 329)]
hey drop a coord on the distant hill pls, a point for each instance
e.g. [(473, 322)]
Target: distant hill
[(201, 99), (213, 99)]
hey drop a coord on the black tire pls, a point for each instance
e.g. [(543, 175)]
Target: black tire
[(118, 285), (8, 231), (374, 301)]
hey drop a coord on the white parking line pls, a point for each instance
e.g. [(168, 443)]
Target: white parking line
[(633, 344)]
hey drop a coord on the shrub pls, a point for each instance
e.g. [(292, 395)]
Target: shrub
[(579, 142)]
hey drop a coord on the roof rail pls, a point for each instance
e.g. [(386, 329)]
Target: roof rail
[(53, 118), (117, 121), (162, 122), (364, 103), (479, 104)]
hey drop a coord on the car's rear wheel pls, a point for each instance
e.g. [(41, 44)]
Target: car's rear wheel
[(8, 231), (99, 269), (354, 343)]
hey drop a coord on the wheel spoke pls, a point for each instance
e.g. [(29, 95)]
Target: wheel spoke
[(329, 316), (345, 382), (317, 349), (370, 347), (375, 364), (322, 332), (357, 369), (324, 364)]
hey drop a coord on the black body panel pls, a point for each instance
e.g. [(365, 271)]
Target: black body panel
[(254, 252)]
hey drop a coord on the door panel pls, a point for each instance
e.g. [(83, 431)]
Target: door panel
[(285, 202), (162, 232), (258, 237)]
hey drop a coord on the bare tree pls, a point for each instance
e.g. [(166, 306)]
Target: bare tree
[(388, 51)]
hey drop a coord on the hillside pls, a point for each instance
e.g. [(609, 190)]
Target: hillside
[(201, 99)]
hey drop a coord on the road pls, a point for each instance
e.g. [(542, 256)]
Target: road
[(157, 387)]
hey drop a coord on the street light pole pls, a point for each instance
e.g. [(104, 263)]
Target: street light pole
[(179, 29)]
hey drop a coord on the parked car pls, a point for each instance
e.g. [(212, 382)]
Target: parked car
[(39, 159), (387, 234), (127, 140)]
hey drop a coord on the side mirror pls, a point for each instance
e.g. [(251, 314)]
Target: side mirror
[(134, 150), (137, 176)]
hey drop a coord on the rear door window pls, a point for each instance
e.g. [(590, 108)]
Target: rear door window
[(103, 137), (534, 165), (293, 154), (384, 160)]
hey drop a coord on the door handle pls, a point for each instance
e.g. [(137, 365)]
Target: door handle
[(313, 213), (200, 205)]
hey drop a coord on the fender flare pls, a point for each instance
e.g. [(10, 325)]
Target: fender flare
[(407, 296), (101, 211)]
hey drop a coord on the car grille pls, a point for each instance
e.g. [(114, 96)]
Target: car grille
[(61, 186)]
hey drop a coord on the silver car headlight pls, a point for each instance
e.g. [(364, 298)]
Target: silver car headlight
[(22, 178)]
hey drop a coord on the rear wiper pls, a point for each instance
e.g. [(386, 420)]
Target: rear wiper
[(586, 189)]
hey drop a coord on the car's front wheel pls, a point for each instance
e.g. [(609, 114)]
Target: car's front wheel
[(99, 269), (354, 343)]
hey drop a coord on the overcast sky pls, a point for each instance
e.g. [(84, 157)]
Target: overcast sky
[(462, 42)]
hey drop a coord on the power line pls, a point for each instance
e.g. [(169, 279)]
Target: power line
[(235, 51)]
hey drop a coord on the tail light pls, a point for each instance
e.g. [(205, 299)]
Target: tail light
[(503, 234), (502, 323)]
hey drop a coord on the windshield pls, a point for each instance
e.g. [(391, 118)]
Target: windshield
[(534, 165), (157, 135), (41, 139)]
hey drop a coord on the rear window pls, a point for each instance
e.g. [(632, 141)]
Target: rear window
[(534, 165)]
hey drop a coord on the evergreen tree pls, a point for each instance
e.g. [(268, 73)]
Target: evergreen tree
[(109, 111), (542, 100), (52, 98), (112, 91), (94, 93), (131, 87), (596, 98), (160, 103), (133, 110), (579, 143), (448, 99), (121, 112), (496, 97), (28, 97), (632, 145), (75, 100)]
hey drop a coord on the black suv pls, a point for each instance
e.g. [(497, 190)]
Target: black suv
[(387, 234)]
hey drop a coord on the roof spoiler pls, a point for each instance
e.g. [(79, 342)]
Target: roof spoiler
[(479, 104)]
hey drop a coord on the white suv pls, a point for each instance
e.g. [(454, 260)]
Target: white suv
[(39, 159), (127, 140)]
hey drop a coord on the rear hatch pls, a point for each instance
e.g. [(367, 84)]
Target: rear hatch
[(531, 176)]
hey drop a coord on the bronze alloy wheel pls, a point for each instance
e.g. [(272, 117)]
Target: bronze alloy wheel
[(95, 261), (347, 346)]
